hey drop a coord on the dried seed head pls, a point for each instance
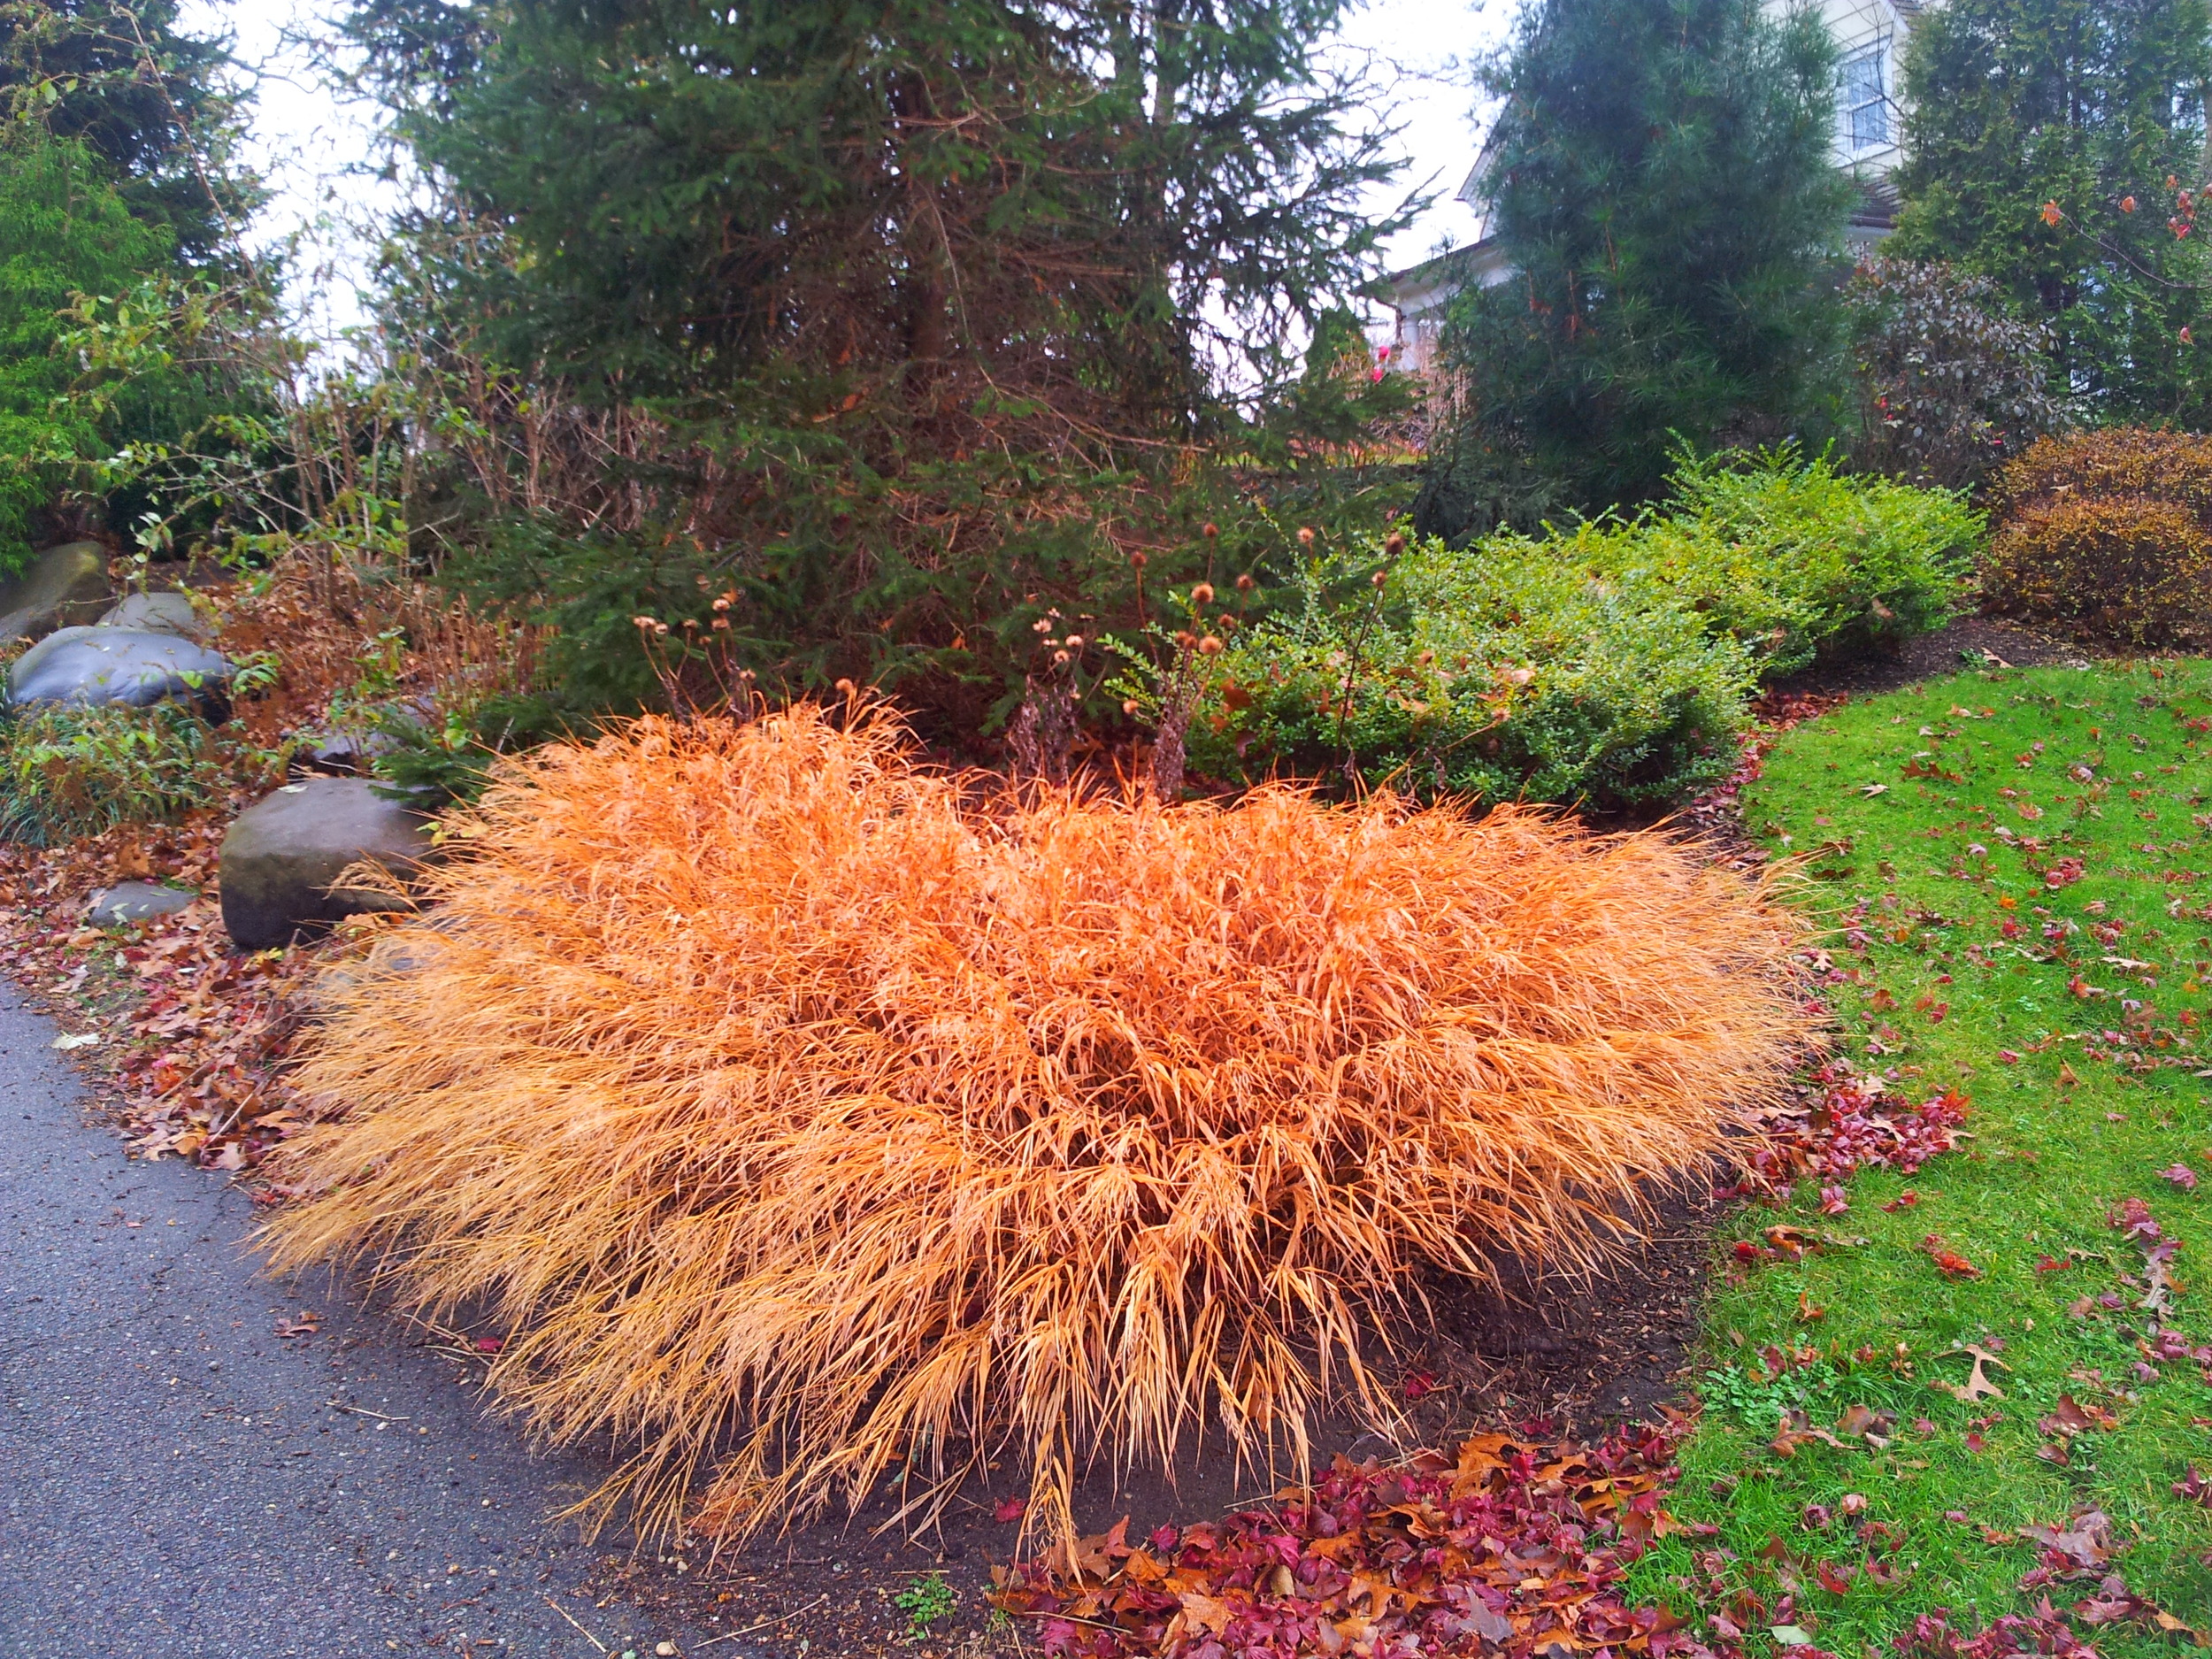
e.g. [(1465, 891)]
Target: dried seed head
[(643, 622), (722, 623), (1244, 584), (1305, 536), (722, 604), (847, 686), (1129, 705), (1209, 646), (1075, 641), (1202, 594), (1042, 625), (1226, 622), (1137, 560), (660, 630), (1380, 578), (1059, 659), (1210, 530), (1393, 544), (691, 622), (1184, 641)]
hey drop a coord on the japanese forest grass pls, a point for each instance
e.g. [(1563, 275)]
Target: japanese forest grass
[(1941, 810), (809, 1119)]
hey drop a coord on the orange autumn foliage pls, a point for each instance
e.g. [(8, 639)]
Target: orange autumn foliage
[(808, 1117)]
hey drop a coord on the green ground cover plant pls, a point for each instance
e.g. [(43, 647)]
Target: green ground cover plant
[(1608, 665), (1500, 672), (1793, 558), (68, 772), (2018, 867)]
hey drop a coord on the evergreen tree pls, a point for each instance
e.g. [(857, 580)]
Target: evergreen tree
[(2055, 147), (903, 320), (1058, 191), (1660, 180), (64, 231), (144, 99)]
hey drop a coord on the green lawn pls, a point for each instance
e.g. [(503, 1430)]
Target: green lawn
[(2018, 869)]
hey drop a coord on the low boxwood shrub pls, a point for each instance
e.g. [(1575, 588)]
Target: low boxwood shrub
[(1793, 558), (67, 772), (2108, 533), (1497, 672)]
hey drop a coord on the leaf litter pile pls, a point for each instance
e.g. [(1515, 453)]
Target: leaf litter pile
[(192, 1038), (1514, 1545)]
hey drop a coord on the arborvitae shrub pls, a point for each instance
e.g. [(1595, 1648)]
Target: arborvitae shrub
[(2109, 534)]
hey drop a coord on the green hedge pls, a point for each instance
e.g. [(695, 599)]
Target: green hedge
[(1498, 671), (1793, 558)]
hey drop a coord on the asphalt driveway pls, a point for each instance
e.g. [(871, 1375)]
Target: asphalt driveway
[(176, 1479)]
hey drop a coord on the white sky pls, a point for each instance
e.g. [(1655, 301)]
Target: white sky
[(307, 138)]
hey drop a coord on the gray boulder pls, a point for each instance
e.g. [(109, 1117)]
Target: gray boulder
[(349, 751), (136, 902), (283, 855), (133, 666), (158, 614), (61, 586)]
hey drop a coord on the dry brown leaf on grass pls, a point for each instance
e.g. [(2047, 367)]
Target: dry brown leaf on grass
[(810, 1116)]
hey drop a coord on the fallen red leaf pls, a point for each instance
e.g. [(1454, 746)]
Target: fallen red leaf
[(1949, 1262)]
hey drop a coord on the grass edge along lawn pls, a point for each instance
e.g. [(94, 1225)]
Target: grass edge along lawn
[(2018, 867)]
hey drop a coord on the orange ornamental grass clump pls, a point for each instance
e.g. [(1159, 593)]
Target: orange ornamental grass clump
[(808, 1119)]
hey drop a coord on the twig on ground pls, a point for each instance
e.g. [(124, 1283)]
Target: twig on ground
[(780, 1619), (363, 1411), (580, 1631)]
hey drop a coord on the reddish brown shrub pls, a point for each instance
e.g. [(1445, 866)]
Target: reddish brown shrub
[(2110, 532), (808, 1117), (2112, 461), (333, 628)]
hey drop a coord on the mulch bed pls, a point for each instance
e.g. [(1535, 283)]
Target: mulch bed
[(1970, 641)]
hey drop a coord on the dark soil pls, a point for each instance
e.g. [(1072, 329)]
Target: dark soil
[(1974, 641)]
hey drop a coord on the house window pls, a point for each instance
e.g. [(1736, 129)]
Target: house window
[(1863, 103)]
